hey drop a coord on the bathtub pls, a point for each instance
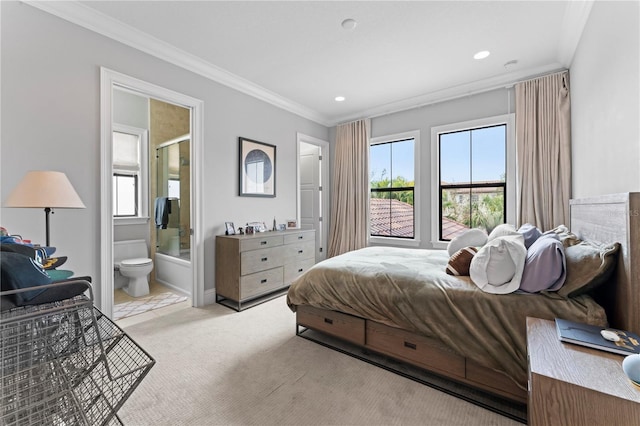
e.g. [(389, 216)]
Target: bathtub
[(173, 272)]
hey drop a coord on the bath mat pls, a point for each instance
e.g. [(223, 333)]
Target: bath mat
[(145, 304)]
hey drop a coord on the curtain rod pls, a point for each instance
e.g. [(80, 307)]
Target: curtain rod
[(535, 78)]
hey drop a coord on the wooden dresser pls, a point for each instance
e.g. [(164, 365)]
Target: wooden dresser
[(254, 268)]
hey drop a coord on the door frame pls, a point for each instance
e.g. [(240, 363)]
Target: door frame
[(109, 79), (324, 153)]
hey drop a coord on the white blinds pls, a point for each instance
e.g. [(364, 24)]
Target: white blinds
[(126, 151)]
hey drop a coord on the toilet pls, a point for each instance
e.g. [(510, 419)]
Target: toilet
[(131, 260)]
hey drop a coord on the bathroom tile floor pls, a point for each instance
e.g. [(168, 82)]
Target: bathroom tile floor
[(160, 301)]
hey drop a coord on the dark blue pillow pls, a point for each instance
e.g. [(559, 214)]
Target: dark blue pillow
[(19, 271)]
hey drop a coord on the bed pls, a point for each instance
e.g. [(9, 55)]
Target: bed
[(376, 298)]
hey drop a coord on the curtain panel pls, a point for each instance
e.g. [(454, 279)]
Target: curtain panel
[(543, 139), (350, 189)]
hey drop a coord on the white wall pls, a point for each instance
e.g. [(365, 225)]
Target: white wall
[(605, 102), (488, 104), (51, 120)]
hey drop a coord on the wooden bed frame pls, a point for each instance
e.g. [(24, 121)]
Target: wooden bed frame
[(603, 219)]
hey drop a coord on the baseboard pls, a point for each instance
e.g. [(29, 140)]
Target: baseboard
[(210, 296)]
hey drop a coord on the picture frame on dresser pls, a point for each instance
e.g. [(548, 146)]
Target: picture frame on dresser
[(257, 168), (230, 229)]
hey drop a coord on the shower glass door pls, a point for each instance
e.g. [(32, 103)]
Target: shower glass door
[(172, 201)]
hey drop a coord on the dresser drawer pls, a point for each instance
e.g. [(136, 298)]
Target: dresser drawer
[(337, 324), (260, 260), (261, 242), (300, 237), (261, 283), (416, 349), (294, 270), (298, 251)]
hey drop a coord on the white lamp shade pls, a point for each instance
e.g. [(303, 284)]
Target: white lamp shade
[(44, 189)]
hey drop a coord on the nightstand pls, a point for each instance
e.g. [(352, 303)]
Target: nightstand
[(574, 385)]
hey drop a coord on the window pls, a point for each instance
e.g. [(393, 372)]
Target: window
[(392, 179), (125, 201), (474, 176), (129, 172)]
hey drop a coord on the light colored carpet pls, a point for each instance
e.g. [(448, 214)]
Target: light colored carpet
[(216, 366), (145, 304)]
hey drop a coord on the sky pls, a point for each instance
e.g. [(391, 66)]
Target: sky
[(486, 146), (396, 158)]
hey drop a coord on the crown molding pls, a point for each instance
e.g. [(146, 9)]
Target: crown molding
[(455, 92), (575, 18), (105, 25)]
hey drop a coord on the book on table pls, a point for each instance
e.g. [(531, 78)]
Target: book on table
[(590, 336)]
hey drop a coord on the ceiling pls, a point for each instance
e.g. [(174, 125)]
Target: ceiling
[(297, 55)]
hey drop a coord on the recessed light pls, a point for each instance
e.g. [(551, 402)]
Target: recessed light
[(482, 54), (339, 98), (349, 24)]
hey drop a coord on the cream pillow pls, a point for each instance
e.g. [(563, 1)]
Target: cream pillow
[(469, 238), (498, 266), (503, 230)]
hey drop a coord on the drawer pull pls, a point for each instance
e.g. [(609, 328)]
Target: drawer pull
[(300, 270), (262, 281), (328, 320), (300, 237), (410, 345), (300, 251), (264, 259), (263, 243)]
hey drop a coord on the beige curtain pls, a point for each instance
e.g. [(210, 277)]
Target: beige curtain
[(543, 138), (350, 189)]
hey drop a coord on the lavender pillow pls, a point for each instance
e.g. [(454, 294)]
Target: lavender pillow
[(545, 267), (530, 233)]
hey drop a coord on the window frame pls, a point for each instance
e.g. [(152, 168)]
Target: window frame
[(399, 241), (510, 181), (143, 176)]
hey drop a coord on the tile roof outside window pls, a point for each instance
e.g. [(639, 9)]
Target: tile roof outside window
[(402, 226), (380, 211)]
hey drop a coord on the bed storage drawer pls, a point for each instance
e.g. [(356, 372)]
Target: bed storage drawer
[(417, 350), (337, 324), (494, 381)]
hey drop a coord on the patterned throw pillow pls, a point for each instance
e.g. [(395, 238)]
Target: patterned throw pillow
[(460, 261)]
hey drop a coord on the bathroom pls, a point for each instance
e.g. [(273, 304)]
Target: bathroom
[(152, 202)]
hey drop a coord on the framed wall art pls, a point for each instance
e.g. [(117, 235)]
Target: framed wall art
[(257, 168)]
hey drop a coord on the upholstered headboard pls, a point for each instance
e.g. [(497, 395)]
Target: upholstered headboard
[(607, 219)]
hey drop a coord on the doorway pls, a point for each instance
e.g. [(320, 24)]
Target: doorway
[(313, 194), (191, 238)]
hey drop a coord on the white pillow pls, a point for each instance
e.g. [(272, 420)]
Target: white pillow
[(502, 231), (498, 266), (469, 238)]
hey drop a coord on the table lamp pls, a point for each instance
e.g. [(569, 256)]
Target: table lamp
[(44, 189)]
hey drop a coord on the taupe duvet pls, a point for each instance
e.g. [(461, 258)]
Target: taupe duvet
[(409, 289)]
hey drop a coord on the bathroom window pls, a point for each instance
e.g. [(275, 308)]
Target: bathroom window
[(125, 200), (130, 177)]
